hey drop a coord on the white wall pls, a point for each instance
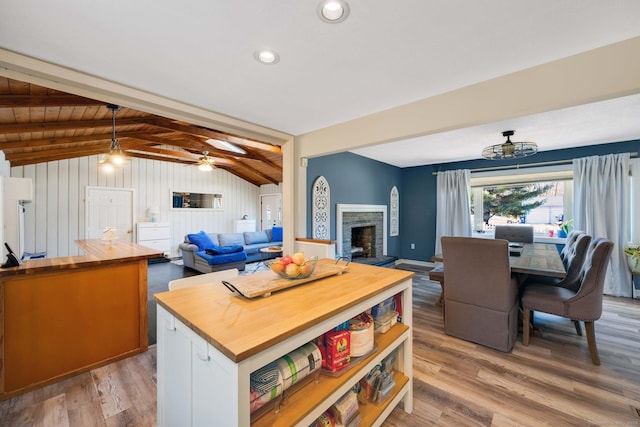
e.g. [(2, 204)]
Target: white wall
[(56, 217)]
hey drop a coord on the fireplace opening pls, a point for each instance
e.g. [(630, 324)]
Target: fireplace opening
[(363, 241)]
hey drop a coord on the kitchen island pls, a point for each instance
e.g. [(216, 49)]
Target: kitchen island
[(61, 316), (210, 340)]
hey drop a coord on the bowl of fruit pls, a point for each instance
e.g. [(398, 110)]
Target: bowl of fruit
[(293, 267)]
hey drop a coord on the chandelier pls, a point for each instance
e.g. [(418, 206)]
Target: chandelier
[(509, 150), (115, 157)]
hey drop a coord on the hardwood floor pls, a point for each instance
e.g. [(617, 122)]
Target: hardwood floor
[(551, 382)]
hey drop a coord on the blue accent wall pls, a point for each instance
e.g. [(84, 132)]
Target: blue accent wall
[(354, 179), (358, 180)]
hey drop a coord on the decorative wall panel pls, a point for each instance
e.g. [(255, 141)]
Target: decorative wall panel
[(320, 211), (394, 212)]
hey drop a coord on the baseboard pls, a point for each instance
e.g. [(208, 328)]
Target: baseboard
[(415, 262)]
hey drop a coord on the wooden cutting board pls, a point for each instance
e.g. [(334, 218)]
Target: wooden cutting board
[(266, 282)]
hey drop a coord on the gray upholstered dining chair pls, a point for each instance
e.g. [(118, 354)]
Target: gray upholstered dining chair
[(515, 233), (569, 243), (573, 256), (583, 304), (481, 298)]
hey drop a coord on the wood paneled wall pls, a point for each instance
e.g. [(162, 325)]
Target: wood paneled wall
[(56, 217)]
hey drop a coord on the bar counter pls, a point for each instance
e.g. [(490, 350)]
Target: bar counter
[(61, 316)]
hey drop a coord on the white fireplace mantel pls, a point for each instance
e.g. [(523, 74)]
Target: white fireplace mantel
[(343, 208)]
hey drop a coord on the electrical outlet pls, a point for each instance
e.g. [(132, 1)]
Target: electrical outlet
[(413, 246)]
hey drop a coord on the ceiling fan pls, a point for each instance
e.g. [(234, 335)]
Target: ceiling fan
[(205, 163)]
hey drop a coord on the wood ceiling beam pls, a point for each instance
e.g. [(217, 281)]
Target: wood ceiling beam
[(184, 143), (54, 100), (255, 171), (46, 142), (208, 133), (64, 125), (50, 157), (264, 160), (86, 150), (225, 164), (129, 147)]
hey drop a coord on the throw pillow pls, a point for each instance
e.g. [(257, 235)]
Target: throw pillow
[(276, 234), (220, 250), (201, 240)]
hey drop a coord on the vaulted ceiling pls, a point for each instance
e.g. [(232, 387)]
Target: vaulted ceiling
[(38, 125), (385, 55)]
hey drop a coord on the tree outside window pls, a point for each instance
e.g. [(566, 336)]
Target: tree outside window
[(537, 204)]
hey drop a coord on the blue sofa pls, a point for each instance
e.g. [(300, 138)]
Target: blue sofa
[(226, 251)]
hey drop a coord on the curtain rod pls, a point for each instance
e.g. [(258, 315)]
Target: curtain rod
[(526, 165)]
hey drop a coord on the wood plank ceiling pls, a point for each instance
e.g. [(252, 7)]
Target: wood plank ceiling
[(39, 124)]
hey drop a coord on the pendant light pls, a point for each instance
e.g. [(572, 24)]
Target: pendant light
[(509, 150), (115, 157)]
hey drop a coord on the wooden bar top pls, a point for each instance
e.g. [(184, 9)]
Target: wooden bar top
[(116, 249), (99, 252), (241, 327)]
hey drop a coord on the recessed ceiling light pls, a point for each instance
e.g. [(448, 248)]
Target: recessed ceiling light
[(333, 11), (267, 56)]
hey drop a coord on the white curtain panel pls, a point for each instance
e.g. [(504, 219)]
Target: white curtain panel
[(601, 206), (635, 200), (453, 215)]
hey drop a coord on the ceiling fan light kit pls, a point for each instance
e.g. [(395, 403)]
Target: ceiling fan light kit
[(205, 163), (509, 150)]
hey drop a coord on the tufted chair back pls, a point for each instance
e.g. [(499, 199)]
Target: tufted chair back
[(571, 240), (573, 261)]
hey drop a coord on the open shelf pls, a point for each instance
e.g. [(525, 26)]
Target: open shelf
[(310, 395)]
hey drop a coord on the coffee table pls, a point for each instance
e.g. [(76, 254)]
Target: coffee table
[(265, 253)]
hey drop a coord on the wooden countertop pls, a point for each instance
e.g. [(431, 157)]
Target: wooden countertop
[(241, 327), (99, 252), (116, 249)]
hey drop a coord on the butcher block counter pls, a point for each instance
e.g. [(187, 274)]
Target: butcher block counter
[(61, 316), (210, 339)]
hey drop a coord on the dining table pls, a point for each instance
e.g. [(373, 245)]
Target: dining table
[(540, 259)]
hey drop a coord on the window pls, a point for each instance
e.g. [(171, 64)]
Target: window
[(542, 198)]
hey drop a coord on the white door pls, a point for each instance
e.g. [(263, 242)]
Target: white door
[(270, 211), (109, 207)]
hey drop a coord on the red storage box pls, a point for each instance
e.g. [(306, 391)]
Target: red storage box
[(338, 350)]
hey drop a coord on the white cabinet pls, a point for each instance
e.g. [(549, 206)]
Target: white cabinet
[(242, 225), (155, 235), (175, 405), (217, 389), (195, 386)]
